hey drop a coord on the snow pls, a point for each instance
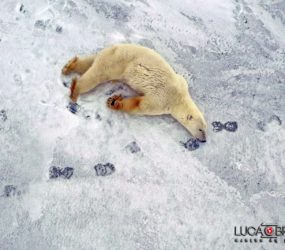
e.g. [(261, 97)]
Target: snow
[(161, 196)]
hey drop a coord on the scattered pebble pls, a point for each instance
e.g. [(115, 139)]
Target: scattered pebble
[(73, 107), (231, 126), (217, 126), (55, 172), (133, 147), (3, 115), (104, 169), (10, 190), (192, 144)]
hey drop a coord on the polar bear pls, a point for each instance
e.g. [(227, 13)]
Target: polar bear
[(159, 89)]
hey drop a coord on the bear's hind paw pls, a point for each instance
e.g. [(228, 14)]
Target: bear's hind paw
[(113, 102)]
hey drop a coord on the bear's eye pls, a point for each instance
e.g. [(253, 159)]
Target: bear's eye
[(201, 130), (189, 117)]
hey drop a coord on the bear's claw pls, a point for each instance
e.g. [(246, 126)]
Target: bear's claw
[(113, 102), (70, 66)]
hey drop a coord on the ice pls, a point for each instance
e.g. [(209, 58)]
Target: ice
[(161, 195)]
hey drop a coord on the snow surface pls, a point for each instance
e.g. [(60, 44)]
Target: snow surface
[(161, 195)]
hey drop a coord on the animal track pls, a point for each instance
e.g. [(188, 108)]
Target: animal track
[(217, 126), (55, 172), (104, 169), (262, 125), (3, 115), (10, 190), (192, 144), (73, 107), (231, 126), (133, 147)]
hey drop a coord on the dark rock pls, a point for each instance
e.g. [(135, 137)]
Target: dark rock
[(133, 147), (217, 126), (104, 169), (191, 144), (10, 190), (3, 115), (67, 172), (231, 126), (73, 107), (54, 172)]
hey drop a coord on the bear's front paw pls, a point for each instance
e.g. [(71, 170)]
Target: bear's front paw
[(70, 66), (114, 102)]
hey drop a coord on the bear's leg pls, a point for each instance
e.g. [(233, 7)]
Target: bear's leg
[(78, 64), (74, 91), (138, 105), (130, 104), (85, 83)]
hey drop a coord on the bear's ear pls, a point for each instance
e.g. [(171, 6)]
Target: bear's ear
[(189, 117)]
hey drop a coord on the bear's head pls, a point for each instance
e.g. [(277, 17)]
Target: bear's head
[(189, 115), (196, 125)]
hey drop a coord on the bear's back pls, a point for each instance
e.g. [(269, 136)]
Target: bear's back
[(142, 69)]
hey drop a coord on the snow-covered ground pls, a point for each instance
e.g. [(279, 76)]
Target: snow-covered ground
[(161, 196)]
